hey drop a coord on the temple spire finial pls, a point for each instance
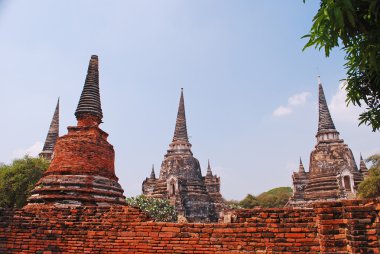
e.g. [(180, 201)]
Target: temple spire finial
[(301, 168), (325, 120), (326, 127), (152, 174), (180, 132), (52, 136), (209, 171), (89, 106), (319, 79)]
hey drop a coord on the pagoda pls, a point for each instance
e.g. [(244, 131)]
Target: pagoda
[(52, 136), (82, 170), (180, 180), (333, 173)]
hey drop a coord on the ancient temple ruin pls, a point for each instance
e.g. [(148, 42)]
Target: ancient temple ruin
[(333, 173), (194, 196), (52, 136), (82, 170)]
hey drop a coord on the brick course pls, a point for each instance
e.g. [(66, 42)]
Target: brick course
[(333, 227)]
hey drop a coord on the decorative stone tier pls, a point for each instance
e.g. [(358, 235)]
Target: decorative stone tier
[(345, 227), (181, 182), (82, 171), (333, 173)]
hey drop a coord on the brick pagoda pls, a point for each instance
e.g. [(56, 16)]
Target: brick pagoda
[(195, 197), (82, 170), (52, 136), (333, 173)]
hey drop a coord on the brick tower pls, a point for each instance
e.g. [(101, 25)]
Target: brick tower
[(82, 170), (362, 167), (52, 136), (333, 173), (181, 179), (212, 183)]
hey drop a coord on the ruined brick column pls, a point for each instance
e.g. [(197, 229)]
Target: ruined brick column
[(82, 171)]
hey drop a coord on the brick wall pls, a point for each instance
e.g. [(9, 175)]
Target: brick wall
[(333, 227)]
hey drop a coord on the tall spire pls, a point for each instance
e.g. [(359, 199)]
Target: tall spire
[(209, 172), (180, 132), (363, 167), (326, 127), (89, 102), (52, 135), (325, 120), (152, 174), (301, 169)]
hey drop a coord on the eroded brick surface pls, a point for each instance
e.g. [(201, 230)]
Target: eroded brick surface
[(333, 227)]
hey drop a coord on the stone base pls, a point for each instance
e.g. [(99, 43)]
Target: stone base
[(77, 190)]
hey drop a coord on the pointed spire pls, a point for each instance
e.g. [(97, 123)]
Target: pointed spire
[(180, 132), (363, 167), (326, 128), (301, 169), (152, 174), (52, 135), (89, 102), (209, 172), (325, 120)]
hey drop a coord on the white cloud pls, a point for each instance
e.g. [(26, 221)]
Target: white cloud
[(293, 101), (33, 150), (339, 109), (298, 99), (282, 111)]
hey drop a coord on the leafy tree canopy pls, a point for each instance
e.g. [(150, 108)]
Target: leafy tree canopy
[(18, 179), (353, 25), (249, 201), (156, 208), (370, 187), (276, 197)]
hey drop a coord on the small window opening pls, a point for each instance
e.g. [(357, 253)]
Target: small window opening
[(347, 183)]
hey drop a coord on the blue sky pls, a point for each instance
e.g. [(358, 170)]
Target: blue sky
[(250, 91)]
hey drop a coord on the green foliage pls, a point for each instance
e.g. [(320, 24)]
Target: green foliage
[(156, 208), (18, 179), (276, 197), (354, 25), (249, 201), (370, 187), (233, 204)]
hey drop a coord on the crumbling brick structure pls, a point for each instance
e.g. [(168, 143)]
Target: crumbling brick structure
[(350, 226), (333, 174), (82, 170), (78, 207), (195, 197)]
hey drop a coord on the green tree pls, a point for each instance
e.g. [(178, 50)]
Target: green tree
[(370, 187), (276, 197), (353, 25), (249, 201), (18, 179), (156, 208)]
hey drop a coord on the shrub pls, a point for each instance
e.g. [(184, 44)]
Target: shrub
[(156, 208)]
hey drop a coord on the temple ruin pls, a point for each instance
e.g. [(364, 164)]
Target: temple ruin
[(82, 169), (333, 174), (194, 196)]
